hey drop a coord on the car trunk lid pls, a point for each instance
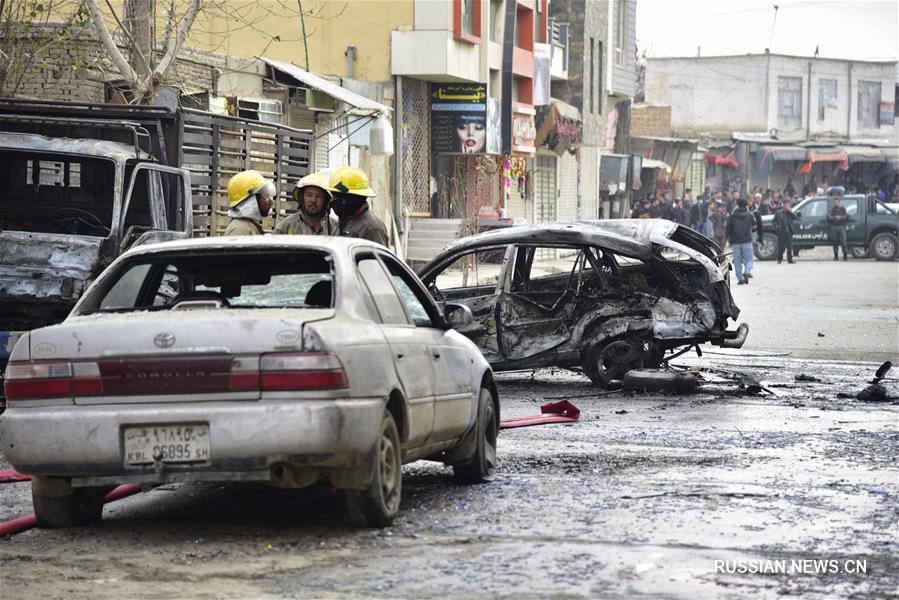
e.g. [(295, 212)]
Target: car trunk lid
[(170, 356)]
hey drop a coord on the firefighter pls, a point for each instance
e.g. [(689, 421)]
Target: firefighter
[(314, 214), (350, 192), (251, 197)]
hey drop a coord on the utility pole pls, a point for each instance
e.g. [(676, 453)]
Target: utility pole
[(768, 64)]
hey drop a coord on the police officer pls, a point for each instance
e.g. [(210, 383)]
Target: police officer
[(837, 220), (251, 197), (783, 225), (350, 192), (314, 214)]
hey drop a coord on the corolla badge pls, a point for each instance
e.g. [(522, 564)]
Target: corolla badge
[(164, 340)]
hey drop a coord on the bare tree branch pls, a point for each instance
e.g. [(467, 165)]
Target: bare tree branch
[(172, 49), (128, 35), (118, 59)]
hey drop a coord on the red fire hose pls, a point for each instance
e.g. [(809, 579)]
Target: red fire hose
[(25, 523), (554, 412)]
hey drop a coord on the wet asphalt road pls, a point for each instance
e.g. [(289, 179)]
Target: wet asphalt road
[(638, 499)]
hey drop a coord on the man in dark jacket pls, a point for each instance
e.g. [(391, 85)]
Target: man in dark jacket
[(837, 220), (739, 232), (783, 225)]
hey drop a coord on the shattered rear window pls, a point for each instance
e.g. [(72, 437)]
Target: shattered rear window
[(245, 279)]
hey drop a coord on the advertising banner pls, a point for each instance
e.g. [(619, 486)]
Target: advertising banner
[(459, 118), (542, 59)]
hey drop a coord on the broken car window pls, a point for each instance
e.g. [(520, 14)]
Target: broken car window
[(49, 193), (472, 274), (243, 279)]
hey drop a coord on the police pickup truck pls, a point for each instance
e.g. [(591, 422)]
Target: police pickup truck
[(872, 230)]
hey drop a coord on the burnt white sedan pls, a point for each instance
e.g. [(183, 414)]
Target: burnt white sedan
[(287, 360)]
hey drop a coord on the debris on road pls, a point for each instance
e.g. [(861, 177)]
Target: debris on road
[(882, 371), (804, 377), (554, 412), (660, 380), (873, 393)]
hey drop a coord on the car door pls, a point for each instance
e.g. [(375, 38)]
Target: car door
[(473, 279), (855, 227), (538, 300), (449, 359), (811, 228), (410, 351)]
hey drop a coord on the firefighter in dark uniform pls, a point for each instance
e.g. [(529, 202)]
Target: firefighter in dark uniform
[(251, 197), (350, 192)]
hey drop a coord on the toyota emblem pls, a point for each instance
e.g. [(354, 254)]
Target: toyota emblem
[(164, 340)]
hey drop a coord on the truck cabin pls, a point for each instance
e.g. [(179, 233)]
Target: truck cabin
[(78, 187)]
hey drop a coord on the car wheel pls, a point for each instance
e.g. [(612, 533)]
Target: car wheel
[(482, 466), (378, 504), (767, 249), (859, 252), (883, 246), (607, 362), (81, 507)]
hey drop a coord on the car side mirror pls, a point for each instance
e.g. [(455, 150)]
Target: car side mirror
[(457, 315)]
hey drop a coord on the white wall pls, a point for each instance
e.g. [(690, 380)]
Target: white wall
[(720, 95)]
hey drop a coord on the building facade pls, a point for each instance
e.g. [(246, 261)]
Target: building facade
[(782, 117)]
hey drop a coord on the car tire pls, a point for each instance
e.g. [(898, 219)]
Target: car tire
[(652, 380), (884, 246), (82, 507), (482, 466), (379, 503), (606, 362), (859, 252), (767, 249)]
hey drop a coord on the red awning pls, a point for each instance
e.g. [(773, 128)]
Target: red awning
[(719, 159), (841, 157)]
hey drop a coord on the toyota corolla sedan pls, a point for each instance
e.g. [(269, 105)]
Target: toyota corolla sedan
[(607, 296), (287, 360)]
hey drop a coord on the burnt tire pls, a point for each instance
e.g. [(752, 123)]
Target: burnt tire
[(82, 507), (884, 246), (652, 380), (379, 503), (767, 249), (606, 362), (482, 466)]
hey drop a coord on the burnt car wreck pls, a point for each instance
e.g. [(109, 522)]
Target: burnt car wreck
[(609, 296)]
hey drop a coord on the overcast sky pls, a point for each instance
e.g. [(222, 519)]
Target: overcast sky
[(857, 29)]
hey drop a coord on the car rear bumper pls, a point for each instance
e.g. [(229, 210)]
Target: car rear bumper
[(248, 440)]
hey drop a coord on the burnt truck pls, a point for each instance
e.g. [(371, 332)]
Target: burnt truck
[(84, 182)]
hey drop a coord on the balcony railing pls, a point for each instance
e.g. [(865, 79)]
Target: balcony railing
[(559, 40)]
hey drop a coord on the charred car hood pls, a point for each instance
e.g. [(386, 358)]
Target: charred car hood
[(45, 265)]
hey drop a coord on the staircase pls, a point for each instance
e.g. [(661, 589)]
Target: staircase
[(426, 237)]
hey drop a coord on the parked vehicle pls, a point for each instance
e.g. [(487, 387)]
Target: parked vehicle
[(83, 182), (280, 359), (873, 228), (610, 296)]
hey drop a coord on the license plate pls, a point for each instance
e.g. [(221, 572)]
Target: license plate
[(171, 443)]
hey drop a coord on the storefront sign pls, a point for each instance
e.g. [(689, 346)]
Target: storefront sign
[(459, 118), (887, 113)]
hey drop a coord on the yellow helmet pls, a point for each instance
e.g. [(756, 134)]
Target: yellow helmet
[(247, 183), (318, 180), (350, 180)]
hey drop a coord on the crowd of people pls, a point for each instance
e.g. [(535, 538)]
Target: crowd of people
[(733, 216)]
